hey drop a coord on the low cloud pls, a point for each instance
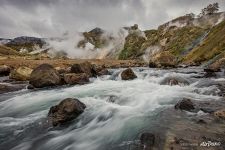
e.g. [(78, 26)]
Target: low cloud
[(52, 18)]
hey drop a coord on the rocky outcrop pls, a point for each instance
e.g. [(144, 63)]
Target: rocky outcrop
[(4, 70), (22, 73), (128, 74), (44, 75), (27, 43), (163, 60), (185, 104), (65, 111), (174, 81), (72, 78), (220, 114), (85, 67)]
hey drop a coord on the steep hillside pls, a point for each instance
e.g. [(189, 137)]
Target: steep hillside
[(212, 46), (4, 50), (181, 37)]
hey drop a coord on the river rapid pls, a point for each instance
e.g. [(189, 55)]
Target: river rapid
[(117, 111)]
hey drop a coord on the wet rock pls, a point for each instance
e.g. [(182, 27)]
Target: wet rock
[(152, 64), (147, 140), (174, 81), (65, 111), (22, 73), (128, 74), (30, 86), (85, 67), (185, 104), (4, 70), (220, 114), (100, 70), (112, 99), (44, 76), (210, 72), (73, 78), (5, 88)]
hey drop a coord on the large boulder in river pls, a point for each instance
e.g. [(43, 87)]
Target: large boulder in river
[(22, 73), (174, 81), (65, 111), (44, 75), (185, 104), (73, 78), (128, 74), (85, 67), (4, 70)]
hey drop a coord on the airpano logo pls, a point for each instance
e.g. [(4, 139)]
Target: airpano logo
[(210, 144)]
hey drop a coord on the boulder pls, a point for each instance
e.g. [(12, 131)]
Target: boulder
[(185, 104), (210, 72), (220, 114), (85, 67), (128, 74), (152, 64), (163, 60), (44, 75), (4, 70), (147, 140), (100, 70), (65, 111), (174, 81), (21, 74), (73, 78)]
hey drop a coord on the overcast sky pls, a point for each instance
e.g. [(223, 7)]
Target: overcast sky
[(49, 18)]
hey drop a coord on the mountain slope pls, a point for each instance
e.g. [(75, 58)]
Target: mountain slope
[(213, 45)]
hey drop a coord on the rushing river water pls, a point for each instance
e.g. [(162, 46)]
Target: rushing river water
[(117, 111)]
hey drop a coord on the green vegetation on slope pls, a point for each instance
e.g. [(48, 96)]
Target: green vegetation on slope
[(213, 45), (181, 39), (132, 47), (175, 40)]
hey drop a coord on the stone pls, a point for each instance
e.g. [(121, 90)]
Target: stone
[(21, 74), (44, 76), (185, 104), (73, 78), (67, 110), (128, 74)]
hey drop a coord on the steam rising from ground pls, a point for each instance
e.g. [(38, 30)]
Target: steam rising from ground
[(68, 45)]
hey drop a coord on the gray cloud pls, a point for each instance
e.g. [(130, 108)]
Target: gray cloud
[(47, 18)]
